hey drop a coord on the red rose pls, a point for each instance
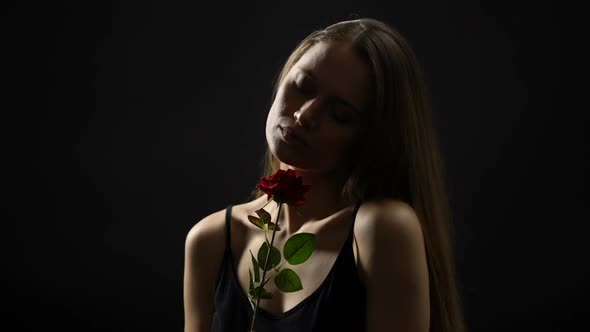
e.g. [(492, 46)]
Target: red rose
[(285, 186)]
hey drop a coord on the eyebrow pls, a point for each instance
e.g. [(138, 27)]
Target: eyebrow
[(338, 99)]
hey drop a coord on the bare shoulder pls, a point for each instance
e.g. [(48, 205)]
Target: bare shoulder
[(387, 226), (394, 264), (394, 217), (208, 234), (204, 247), (208, 231)]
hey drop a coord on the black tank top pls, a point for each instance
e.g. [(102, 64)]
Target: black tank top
[(338, 304)]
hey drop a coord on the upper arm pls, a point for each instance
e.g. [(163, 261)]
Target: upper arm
[(396, 272), (203, 252)]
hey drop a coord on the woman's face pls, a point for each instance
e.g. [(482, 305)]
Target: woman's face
[(322, 99)]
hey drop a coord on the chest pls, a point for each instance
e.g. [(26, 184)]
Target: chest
[(330, 241)]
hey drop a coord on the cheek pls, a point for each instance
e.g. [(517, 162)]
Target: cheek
[(277, 110), (341, 146), (273, 120), (274, 113)]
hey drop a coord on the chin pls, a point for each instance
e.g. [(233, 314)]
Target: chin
[(297, 161), (290, 159)]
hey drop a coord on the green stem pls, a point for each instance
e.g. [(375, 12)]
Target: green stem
[(279, 267), (276, 270), (269, 200), (265, 264), (266, 226)]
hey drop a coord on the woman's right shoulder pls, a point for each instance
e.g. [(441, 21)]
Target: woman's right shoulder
[(203, 256), (208, 231)]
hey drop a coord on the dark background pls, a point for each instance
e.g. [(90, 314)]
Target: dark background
[(147, 116)]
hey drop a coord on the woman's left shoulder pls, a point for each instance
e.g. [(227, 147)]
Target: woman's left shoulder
[(389, 236), (388, 215)]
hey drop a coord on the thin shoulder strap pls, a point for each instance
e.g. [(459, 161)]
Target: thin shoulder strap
[(228, 226), (351, 230)]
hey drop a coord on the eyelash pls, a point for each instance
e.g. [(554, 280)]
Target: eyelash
[(298, 88), (340, 120), (336, 116)]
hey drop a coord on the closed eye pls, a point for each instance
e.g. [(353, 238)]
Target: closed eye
[(302, 89), (341, 117)]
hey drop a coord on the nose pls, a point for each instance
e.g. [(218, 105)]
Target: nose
[(308, 114)]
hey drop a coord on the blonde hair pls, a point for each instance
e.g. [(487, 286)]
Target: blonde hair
[(399, 156)]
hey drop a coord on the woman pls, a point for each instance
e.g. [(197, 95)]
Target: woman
[(350, 115)]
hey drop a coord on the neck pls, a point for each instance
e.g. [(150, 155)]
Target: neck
[(322, 200)]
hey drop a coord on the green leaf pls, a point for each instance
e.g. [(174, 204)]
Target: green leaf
[(274, 259), (256, 267), (272, 225), (264, 294), (288, 281), (251, 283), (256, 221), (299, 247), (264, 216)]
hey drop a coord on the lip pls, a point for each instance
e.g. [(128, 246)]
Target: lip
[(290, 136)]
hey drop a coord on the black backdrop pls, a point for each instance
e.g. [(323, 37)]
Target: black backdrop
[(146, 116)]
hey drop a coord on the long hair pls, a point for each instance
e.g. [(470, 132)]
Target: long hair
[(399, 156)]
